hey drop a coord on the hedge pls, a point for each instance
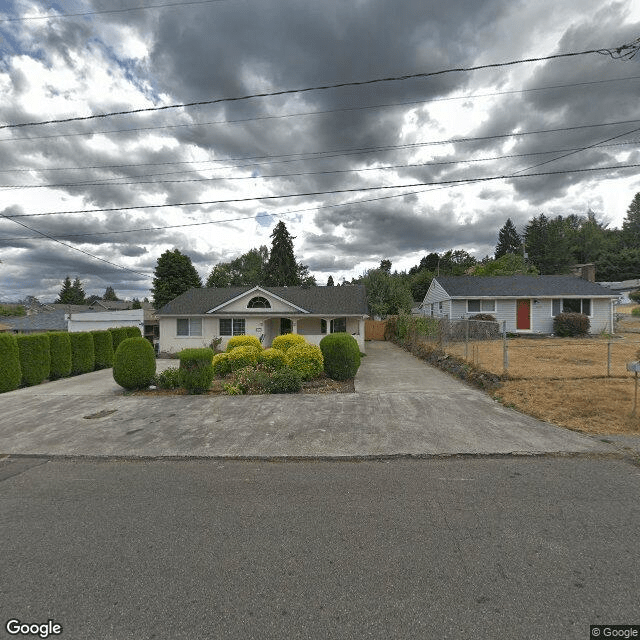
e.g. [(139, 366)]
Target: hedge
[(35, 360), (196, 369), (118, 334), (60, 353), (103, 348), (134, 363), (133, 332), (83, 356), (341, 355), (10, 371)]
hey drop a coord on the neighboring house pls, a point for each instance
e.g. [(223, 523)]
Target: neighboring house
[(198, 316), (622, 289), (101, 320), (527, 303), (37, 322)]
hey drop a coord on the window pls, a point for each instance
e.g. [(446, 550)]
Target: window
[(231, 326), (571, 305), (259, 303), (189, 327), (476, 306), (339, 325)]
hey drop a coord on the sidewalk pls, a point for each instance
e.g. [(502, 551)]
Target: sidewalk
[(401, 407)]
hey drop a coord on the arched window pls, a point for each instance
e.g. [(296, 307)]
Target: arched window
[(259, 303)]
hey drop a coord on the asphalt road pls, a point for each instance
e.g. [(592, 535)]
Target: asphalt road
[(477, 547)]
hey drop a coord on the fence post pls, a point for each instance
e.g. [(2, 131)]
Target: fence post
[(505, 348), (466, 339), (608, 358)]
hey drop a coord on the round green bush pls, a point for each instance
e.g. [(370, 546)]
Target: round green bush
[(196, 370), (273, 359), (83, 355), (571, 324), (306, 359), (132, 332), (103, 348), (341, 355), (243, 341), (241, 357), (134, 363), (286, 341), (10, 371), (60, 352), (35, 359), (221, 366), (285, 380)]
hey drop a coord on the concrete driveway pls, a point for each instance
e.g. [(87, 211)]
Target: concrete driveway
[(401, 406)]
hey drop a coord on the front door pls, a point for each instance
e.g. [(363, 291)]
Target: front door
[(523, 314), (285, 326)]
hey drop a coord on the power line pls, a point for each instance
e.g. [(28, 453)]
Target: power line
[(320, 193), (313, 113), (95, 13), (625, 51), (110, 181)]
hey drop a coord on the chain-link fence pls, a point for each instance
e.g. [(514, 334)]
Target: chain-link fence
[(487, 345)]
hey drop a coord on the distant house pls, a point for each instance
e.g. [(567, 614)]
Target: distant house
[(198, 316), (527, 304), (101, 320), (622, 289)]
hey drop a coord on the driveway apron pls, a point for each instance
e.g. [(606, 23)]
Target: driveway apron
[(401, 406)]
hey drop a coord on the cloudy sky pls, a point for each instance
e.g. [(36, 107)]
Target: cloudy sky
[(213, 180)]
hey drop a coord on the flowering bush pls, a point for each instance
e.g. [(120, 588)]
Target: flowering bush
[(243, 341), (248, 380), (306, 359), (272, 359), (286, 341)]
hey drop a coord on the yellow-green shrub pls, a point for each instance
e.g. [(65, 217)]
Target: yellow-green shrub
[(243, 341), (221, 365), (273, 358), (306, 359), (286, 341), (241, 357)]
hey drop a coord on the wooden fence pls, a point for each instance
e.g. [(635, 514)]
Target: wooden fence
[(374, 329)]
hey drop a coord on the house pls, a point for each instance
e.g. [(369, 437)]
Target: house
[(527, 304), (196, 317), (102, 320), (622, 289)]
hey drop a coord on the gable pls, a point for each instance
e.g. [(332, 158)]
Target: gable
[(255, 301)]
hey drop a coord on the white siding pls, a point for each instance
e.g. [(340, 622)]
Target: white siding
[(435, 294), (101, 320)]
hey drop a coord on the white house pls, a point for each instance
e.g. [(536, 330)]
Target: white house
[(528, 304), (101, 320), (199, 315)]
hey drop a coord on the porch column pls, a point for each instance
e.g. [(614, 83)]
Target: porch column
[(294, 325)]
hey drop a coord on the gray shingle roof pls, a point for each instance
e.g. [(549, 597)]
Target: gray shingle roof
[(520, 286), (46, 321), (344, 300)]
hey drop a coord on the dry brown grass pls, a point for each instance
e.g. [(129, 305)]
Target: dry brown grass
[(601, 406)]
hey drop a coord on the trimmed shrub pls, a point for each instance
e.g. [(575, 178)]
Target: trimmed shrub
[(241, 357), (306, 359), (170, 378), (272, 359), (285, 380), (83, 355), (286, 341), (133, 332), (243, 341), (341, 355), (35, 359), (10, 371), (134, 363), (118, 334), (103, 348), (571, 324), (60, 352), (221, 365), (196, 370)]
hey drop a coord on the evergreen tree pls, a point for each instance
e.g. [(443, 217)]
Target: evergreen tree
[(330, 282), (548, 244), (136, 304), (507, 265), (174, 274), (508, 240), (71, 293), (282, 268), (631, 224), (110, 295), (386, 294)]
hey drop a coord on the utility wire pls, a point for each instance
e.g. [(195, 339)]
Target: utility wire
[(96, 13), (320, 193), (626, 51), (313, 113)]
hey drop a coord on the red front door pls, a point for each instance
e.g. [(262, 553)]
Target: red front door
[(523, 314)]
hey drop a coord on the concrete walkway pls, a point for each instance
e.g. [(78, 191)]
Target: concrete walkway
[(401, 406)]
